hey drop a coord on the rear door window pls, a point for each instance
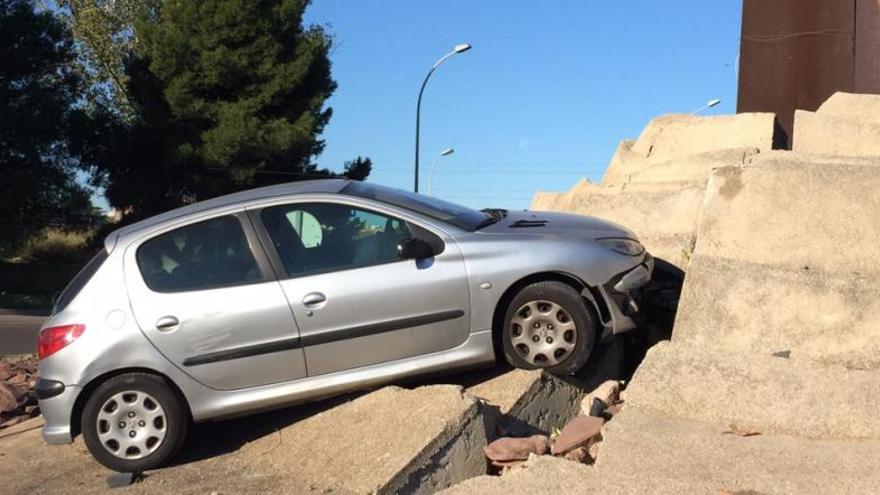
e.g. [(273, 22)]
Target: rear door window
[(210, 254)]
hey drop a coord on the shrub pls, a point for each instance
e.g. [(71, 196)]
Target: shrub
[(54, 245)]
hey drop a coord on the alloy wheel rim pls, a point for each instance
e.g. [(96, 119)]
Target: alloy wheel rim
[(132, 424), (542, 333)]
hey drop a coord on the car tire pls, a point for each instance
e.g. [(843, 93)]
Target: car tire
[(560, 326), (134, 422)]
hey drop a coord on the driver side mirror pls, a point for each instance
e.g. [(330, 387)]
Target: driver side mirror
[(413, 248)]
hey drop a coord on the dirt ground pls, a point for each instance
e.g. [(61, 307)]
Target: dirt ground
[(212, 460)]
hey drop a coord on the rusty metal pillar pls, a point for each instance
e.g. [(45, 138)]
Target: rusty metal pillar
[(794, 54), (867, 46)]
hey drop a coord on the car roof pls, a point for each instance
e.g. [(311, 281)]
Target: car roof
[(241, 197)]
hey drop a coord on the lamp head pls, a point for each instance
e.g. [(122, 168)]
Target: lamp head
[(447, 152), (462, 48)]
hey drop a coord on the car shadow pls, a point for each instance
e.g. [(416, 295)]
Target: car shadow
[(212, 439)]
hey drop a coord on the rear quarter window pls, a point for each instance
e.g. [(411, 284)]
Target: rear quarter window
[(79, 281)]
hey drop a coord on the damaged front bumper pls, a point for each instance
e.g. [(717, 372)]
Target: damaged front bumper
[(620, 298)]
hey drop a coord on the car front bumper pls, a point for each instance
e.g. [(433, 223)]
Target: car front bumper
[(620, 297), (56, 405)]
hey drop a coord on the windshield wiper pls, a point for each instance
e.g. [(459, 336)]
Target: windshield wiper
[(493, 215)]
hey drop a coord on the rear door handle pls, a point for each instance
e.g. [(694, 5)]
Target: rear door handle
[(167, 323), (314, 298)]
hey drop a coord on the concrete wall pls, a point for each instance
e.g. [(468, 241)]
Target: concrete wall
[(786, 258)]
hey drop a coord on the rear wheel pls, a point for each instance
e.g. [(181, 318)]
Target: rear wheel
[(134, 422), (548, 325)]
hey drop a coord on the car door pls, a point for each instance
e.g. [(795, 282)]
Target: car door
[(204, 294), (356, 302)]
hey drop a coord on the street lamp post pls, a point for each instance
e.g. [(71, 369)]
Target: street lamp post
[(446, 152), (455, 51), (709, 104)]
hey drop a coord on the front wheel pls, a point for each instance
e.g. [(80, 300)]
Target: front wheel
[(548, 325), (134, 422)]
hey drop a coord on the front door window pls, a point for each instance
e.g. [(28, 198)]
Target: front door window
[(324, 237)]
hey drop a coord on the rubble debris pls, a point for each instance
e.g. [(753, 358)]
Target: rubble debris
[(597, 408), (581, 431), (119, 480), (608, 393), (516, 449), (782, 354), (17, 378)]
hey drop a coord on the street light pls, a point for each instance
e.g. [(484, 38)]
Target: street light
[(455, 51), (709, 104), (446, 152)]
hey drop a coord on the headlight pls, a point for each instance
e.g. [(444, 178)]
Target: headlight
[(628, 247)]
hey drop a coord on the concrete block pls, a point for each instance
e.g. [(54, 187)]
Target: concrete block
[(832, 135), (855, 107), (756, 391), (786, 258), (389, 441)]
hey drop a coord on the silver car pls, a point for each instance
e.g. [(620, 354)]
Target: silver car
[(295, 292)]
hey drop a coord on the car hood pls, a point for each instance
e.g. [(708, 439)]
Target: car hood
[(557, 224)]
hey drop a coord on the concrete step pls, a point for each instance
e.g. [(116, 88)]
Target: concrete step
[(757, 391), (685, 169), (675, 137), (833, 135), (852, 106), (746, 307), (673, 451)]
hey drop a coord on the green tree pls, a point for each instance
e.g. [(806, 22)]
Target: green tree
[(39, 90), (104, 32), (228, 94)]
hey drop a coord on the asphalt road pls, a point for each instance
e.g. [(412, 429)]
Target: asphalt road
[(18, 333)]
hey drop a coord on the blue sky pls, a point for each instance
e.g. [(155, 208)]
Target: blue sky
[(542, 100)]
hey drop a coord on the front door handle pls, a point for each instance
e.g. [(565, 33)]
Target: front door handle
[(314, 298), (167, 323)]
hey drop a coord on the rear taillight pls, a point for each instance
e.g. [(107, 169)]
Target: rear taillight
[(53, 339)]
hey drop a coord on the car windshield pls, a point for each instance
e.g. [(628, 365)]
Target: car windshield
[(460, 216)]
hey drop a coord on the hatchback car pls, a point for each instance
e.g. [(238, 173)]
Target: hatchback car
[(294, 292)]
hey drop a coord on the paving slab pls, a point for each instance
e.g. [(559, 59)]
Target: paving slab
[(389, 441)]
